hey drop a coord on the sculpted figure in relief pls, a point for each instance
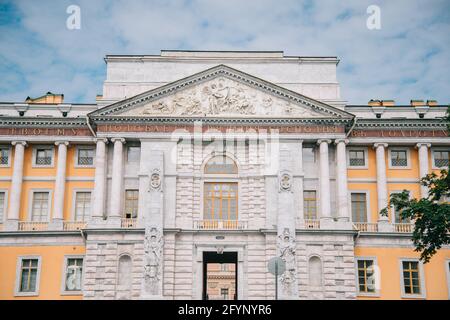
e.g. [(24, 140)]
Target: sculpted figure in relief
[(287, 253), (152, 252)]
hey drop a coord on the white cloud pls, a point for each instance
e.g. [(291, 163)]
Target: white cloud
[(407, 59)]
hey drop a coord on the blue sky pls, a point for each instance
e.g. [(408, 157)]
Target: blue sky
[(408, 58)]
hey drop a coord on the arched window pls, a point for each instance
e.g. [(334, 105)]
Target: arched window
[(220, 198), (315, 272), (124, 277), (221, 165)]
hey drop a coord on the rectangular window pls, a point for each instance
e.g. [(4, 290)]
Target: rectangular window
[(366, 276), (441, 158), (133, 154), (28, 275), (73, 274), (309, 204), (82, 206), (399, 158), (359, 207), (2, 205), (4, 156), (85, 157), (39, 210), (357, 158), (221, 201), (397, 215), (44, 156), (131, 203), (411, 277)]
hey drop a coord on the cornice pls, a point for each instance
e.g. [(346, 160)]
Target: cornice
[(400, 123), (42, 122)]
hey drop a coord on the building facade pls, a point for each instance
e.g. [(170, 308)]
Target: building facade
[(194, 168)]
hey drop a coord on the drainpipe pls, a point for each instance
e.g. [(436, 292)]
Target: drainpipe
[(90, 127)]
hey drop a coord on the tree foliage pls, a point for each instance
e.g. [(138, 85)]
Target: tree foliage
[(431, 215)]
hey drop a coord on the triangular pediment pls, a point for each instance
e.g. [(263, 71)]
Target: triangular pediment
[(221, 92)]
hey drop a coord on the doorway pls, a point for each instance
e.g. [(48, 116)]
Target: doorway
[(220, 275)]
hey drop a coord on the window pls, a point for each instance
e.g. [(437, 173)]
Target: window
[(73, 274), (397, 214), (28, 276), (131, 203), (411, 277), (399, 158), (309, 204), (4, 156), (441, 158), (40, 206), (359, 207), (82, 206), (85, 156), (133, 154), (43, 156), (357, 158), (221, 165), (366, 276), (224, 293), (221, 199), (2, 205)]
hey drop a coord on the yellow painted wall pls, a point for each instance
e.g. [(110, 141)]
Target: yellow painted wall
[(436, 282), (51, 277)]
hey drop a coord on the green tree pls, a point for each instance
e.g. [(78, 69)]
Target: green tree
[(431, 215)]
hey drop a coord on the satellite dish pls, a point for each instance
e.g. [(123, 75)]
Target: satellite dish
[(276, 266)]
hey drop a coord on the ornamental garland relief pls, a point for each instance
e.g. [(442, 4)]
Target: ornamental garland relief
[(222, 96)]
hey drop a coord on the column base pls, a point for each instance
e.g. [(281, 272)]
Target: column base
[(385, 226), (56, 224), (113, 222), (343, 224), (11, 225), (96, 222)]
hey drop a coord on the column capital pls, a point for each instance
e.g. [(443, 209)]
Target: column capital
[(113, 140), (320, 141), (426, 144), (24, 143), (380, 144), (105, 140), (345, 141), (57, 143)]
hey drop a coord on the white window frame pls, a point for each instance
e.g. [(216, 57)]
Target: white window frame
[(408, 158), (9, 156), (74, 201), (84, 147), (65, 292), (366, 157), (349, 204), (447, 271), (392, 207), (17, 291), (35, 148), (377, 281), (432, 156), (30, 203), (5, 205), (423, 293)]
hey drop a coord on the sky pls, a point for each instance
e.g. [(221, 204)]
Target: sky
[(408, 57)]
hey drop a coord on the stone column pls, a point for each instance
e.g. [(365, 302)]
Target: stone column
[(286, 218), (383, 221), (60, 184), (326, 220), (152, 285), (12, 224), (423, 165), (341, 179), (115, 208), (98, 208)]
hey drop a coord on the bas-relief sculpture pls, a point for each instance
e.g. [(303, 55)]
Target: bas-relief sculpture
[(222, 96), (286, 247)]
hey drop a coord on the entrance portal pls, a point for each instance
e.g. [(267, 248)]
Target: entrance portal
[(220, 276)]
